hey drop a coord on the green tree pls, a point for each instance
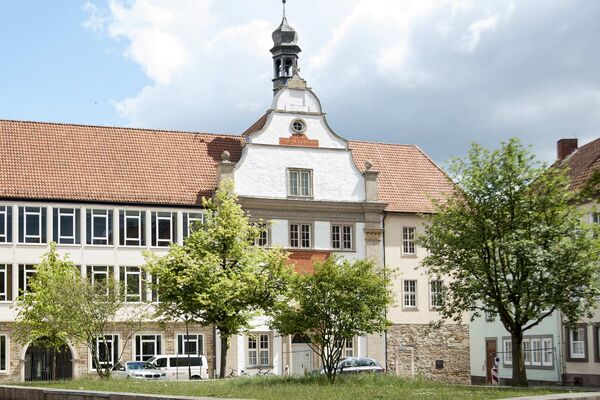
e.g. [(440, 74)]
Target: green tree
[(61, 306), (513, 243), (219, 277), (341, 300)]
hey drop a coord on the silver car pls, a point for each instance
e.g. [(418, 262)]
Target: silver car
[(137, 370), (356, 365)]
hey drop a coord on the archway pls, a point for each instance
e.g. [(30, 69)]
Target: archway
[(43, 364)]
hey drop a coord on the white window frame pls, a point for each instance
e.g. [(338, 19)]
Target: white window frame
[(264, 238), (112, 360), (409, 247), (193, 218), (171, 218), (198, 340), (580, 332), (347, 347), (59, 214), (434, 295), (126, 272), (342, 237), (26, 235), (300, 238), (409, 294), (140, 230), (96, 270), (259, 340), (157, 339), (99, 213), (4, 290), (296, 189), (28, 271), (547, 352), (4, 222), (595, 218), (507, 348), (536, 352), (526, 346)]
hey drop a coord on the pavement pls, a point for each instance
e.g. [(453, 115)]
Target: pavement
[(561, 396)]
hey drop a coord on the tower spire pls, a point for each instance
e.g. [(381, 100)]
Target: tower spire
[(285, 52)]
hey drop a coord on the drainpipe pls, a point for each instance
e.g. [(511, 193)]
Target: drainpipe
[(385, 338), (214, 351)]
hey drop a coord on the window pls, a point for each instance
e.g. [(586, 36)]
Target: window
[(191, 222), (263, 239), (300, 236), (577, 343), (347, 347), (190, 344), (436, 293), (408, 240), (65, 225), (5, 224), (527, 351), (300, 182), (147, 346), (536, 352), (298, 126), (107, 349), (164, 228), (5, 282), (25, 273), (99, 275), (132, 228), (259, 350), (410, 294), (507, 348), (131, 280), (547, 352), (341, 237), (99, 227), (32, 224), (596, 218), (3, 353)]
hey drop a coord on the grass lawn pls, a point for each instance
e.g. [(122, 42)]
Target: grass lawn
[(353, 387)]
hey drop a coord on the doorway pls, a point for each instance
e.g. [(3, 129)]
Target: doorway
[(301, 355), (43, 364), (490, 355)]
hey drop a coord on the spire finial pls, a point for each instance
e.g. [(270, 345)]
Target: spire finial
[(284, 1)]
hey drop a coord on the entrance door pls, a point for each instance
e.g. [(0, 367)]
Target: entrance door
[(301, 356), (42, 364), (490, 355)]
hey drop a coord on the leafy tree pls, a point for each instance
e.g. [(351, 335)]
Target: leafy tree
[(513, 243), (342, 299), (219, 277), (62, 306)]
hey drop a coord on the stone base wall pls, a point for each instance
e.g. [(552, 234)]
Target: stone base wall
[(81, 355), (435, 353)]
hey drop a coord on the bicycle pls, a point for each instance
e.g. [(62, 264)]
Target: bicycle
[(264, 372)]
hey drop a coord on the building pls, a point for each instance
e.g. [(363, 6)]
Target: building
[(106, 194), (553, 353)]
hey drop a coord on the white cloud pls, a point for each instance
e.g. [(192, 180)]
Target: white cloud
[(393, 70)]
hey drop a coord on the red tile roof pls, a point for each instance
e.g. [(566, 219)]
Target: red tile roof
[(49, 161), (582, 162), (105, 164), (408, 179)]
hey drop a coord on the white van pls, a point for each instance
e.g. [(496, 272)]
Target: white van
[(178, 366)]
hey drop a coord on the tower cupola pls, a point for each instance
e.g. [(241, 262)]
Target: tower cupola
[(285, 53)]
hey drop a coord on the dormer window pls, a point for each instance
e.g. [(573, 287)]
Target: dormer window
[(300, 182), (298, 126)]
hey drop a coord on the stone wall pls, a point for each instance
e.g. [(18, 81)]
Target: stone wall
[(422, 347), (81, 356)]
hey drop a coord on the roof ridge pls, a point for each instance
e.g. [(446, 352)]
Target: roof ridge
[(119, 127), (385, 143)]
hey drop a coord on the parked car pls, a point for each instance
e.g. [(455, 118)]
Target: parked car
[(178, 366), (137, 370), (356, 365)]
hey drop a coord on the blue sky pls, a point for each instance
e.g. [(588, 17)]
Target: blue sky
[(436, 73)]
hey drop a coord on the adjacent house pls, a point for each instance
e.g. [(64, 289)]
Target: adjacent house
[(106, 194)]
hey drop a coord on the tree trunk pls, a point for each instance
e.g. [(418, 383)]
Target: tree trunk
[(519, 375), (224, 348)]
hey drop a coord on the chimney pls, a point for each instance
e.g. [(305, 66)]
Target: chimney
[(564, 147)]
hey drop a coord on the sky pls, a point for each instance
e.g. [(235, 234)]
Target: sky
[(440, 74)]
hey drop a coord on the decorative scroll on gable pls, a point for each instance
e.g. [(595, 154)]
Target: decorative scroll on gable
[(300, 140)]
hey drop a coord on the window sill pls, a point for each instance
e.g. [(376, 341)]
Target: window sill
[(100, 246), (256, 367), (33, 244), (298, 197), (409, 255), (344, 250), (410, 309), (68, 245)]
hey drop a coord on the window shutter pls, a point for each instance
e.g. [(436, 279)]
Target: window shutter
[(21, 225), (55, 224), (44, 225)]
